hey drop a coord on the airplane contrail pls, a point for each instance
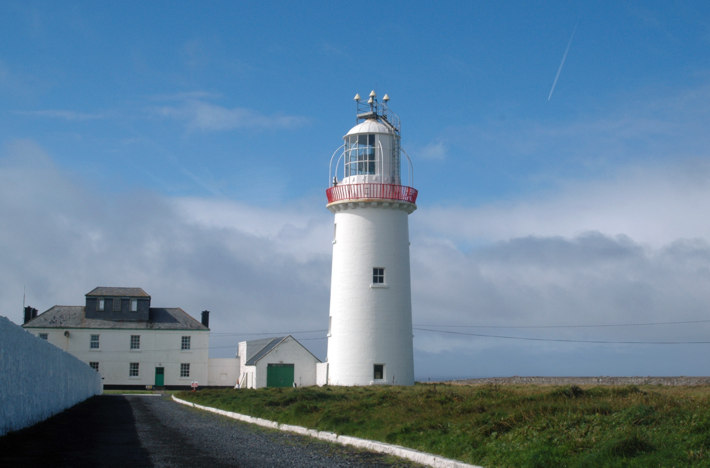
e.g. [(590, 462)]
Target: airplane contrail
[(562, 63)]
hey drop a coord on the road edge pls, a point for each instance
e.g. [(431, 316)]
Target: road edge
[(374, 446)]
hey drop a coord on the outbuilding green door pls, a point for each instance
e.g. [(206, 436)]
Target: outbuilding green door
[(159, 376), (279, 375)]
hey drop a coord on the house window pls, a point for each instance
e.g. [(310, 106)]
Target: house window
[(379, 372), (44, 336), (133, 369), (378, 275), (94, 365), (101, 305), (185, 369), (185, 343), (94, 343), (135, 342), (134, 305), (117, 304)]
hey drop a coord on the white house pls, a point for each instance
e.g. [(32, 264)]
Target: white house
[(130, 343), (275, 362)]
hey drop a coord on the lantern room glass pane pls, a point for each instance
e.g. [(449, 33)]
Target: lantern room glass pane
[(360, 155)]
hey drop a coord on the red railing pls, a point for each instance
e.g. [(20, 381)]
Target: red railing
[(369, 191)]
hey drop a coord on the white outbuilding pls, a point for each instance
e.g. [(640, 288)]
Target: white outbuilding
[(275, 362)]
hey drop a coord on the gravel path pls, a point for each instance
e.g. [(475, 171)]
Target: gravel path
[(155, 431)]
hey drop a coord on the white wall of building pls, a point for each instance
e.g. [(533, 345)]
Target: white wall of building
[(222, 372), (247, 377), (158, 348), (370, 323), (321, 374), (244, 372), (38, 380)]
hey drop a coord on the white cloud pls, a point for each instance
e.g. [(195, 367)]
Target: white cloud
[(654, 204), (631, 248), (601, 253), (301, 233), (503, 289), (433, 151), (204, 116), (257, 271), (68, 115)]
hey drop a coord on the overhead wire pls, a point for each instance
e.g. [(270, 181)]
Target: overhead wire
[(562, 340), (600, 325)]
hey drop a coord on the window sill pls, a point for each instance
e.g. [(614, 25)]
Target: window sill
[(379, 286), (135, 350)]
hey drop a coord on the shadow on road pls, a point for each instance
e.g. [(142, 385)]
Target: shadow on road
[(100, 431)]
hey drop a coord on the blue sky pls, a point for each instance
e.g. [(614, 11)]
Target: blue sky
[(560, 150)]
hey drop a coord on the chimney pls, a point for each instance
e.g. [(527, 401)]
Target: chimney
[(28, 314), (206, 318)]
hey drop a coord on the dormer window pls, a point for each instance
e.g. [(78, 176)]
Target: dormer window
[(115, 303)]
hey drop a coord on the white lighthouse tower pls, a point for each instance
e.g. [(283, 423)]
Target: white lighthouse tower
[(370, 331)]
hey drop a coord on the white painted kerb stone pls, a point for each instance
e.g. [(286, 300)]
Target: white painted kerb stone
[(371, 445)]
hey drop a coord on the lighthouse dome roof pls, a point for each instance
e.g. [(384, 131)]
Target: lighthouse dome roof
[(369, 126)]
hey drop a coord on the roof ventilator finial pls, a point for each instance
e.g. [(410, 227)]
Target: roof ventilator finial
[(357, 105)]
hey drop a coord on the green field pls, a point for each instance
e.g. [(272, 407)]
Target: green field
[(501, 425)]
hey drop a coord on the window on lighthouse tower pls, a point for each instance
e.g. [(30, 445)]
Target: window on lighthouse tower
[(378, 372), (378, 275)]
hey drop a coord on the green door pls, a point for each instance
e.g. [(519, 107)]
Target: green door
[(159, 376), (279, 375)]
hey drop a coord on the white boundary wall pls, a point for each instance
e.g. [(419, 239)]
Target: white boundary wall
[(222, 372), (37, 379)]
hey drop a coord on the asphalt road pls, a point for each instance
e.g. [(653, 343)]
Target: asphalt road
[(137, 431)]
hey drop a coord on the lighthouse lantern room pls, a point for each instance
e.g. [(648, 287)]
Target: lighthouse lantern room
[(370, 330)]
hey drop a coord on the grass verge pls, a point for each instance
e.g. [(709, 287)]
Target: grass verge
[(495, 425)]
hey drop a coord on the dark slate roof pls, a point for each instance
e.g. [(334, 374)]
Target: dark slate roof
[(74, 317), (265, 350), (114, 291), (268, 345)]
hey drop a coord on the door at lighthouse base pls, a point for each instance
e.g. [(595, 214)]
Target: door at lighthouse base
[(279, 375)]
